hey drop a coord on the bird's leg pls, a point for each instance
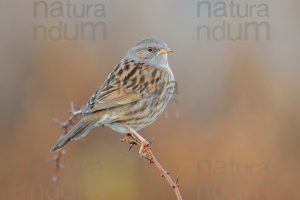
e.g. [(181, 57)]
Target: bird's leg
[(128, 138), (141, 141)]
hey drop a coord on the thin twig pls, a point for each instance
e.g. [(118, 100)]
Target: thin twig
[(165, 174), (65, 126), (152, 159)]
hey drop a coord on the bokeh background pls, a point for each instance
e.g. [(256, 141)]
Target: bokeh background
[(232, 132)]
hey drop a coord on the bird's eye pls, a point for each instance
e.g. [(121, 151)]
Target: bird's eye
[(150, 49)]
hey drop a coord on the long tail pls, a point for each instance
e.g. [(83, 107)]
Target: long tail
[(78, 131)]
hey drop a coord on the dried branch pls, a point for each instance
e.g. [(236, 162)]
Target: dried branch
[(148, 155), (164, 173), (65, 126)]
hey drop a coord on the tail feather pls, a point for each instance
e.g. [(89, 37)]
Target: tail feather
[(78, 131)]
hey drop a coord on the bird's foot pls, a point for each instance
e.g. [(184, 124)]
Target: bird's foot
[(131, 140), (128, 138)]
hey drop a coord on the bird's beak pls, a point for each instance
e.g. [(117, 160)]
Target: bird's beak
[(163, 51)]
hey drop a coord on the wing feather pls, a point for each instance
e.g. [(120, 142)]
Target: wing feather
[(129, 82)]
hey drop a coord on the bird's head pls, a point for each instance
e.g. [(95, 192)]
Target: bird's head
[(152, 51)]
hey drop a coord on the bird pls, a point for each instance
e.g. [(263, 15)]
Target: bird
[(133, 95)]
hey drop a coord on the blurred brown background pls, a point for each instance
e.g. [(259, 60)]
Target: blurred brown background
[(237, 131)]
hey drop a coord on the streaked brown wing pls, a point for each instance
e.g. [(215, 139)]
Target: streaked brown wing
[(127, 83)]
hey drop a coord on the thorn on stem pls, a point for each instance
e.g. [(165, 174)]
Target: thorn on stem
[(131, 145), (55, 179), (150, 160), (177, 181), (61, 165), (58, 122)]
